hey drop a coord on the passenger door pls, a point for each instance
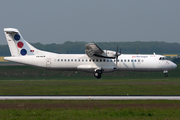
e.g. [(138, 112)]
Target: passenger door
[(48, 62)]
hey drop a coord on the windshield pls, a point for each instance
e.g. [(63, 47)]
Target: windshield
[(162, 58)]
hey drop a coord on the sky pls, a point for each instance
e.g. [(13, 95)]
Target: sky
[(58, 21)]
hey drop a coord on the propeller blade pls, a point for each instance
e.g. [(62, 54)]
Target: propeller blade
[(117, 51), (117, 55), (116, 60)]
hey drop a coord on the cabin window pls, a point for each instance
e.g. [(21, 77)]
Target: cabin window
[(93, 60), (118, 60), (138, 60), (89, 60), (71, 60), (124, 60), (96, 60), (128, 60), (75, 60), (68, 60), (114, 60), (82, 60), (86, 60), (65, 60), (134, 60), (100, 60), (121, 60), (61, 60), (107, 60), (79, 60)]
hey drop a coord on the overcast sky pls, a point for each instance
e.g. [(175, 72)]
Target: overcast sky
[(57, 21)]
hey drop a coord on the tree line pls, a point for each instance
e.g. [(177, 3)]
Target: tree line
[(126, 47)]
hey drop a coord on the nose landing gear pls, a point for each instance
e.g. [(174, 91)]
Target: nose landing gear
[(165, 73)]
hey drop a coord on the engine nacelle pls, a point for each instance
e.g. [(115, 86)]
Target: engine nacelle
[(110, 53)]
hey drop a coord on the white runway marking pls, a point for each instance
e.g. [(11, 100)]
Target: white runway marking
[(89, 97)]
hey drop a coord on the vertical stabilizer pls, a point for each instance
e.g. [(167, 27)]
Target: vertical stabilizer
[(17, 45)]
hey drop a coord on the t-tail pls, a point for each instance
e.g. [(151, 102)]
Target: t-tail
[(17, 45), (21, 50), (20, 47)]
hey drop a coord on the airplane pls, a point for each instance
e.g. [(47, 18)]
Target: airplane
[(95, 60)]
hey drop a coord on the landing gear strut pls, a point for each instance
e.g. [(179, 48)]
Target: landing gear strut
[(97, 74)]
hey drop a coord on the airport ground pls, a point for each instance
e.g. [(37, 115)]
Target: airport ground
[(26, 80), (88, 110), (91, 87)]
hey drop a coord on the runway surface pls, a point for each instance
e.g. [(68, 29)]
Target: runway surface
[(89, 97)]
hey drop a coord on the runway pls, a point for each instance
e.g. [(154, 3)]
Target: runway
[(89, 97)]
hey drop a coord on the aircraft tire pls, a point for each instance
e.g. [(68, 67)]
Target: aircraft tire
[(166, 75), (97, 75)]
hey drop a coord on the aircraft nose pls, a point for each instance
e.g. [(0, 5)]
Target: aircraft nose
[(174, 65)]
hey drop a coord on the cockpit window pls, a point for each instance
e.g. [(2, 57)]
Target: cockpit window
[(162, 58)]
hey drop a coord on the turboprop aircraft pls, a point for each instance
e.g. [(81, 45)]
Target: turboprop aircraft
[(95, 60)]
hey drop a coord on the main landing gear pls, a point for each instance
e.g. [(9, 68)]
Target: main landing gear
[(97, 74)]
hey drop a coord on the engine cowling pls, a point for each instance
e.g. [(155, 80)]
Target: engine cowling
[(110, 53)]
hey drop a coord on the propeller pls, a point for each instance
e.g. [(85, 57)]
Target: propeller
[(117, 54)]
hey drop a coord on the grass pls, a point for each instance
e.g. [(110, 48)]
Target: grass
[(96, 110), (33, 73), (26, 80), (91, 87)]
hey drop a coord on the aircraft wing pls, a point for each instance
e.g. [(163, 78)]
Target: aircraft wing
[(92, 50)]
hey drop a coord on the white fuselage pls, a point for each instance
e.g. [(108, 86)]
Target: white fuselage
[(81, 62), (95, 60)]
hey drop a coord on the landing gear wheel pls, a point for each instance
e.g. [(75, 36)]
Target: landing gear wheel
[(165, 75), (97, 75)]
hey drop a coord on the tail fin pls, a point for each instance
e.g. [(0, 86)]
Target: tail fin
[(17, 45)]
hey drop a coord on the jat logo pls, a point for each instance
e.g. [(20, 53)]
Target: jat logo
[(20, 44), (17, 37), (23, 52)]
